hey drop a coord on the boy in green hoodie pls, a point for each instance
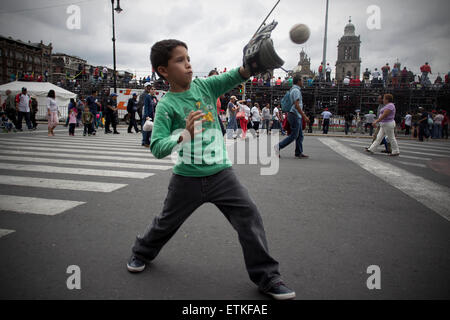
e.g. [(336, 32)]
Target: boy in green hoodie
[(186, 121)]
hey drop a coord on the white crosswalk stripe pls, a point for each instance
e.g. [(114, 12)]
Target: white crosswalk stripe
[(80, 147), (32, 205), (402, 154), (75, 142), (60, 184), (99, 163), (85, 156), (76, 151), (5, 232), (70, 156), (78, 171), (408, 150), (424, 147), (412, 164)]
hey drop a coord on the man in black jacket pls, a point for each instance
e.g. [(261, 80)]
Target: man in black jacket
[(110, 112), (132, 108)]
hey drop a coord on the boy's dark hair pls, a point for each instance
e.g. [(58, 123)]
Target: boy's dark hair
[(51, 94), (162, 52)]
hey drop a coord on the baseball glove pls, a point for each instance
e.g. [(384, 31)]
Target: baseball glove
[(259, 54)]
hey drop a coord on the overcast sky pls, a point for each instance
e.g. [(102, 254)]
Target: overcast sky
[(414, 31)]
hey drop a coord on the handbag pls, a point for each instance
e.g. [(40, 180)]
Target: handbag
[(240, 115), (148, 126)]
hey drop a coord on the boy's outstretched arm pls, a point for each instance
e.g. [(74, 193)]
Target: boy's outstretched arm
[(218, 85)]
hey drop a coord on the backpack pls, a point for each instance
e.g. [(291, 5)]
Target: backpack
[(286, 103), (430, 121)]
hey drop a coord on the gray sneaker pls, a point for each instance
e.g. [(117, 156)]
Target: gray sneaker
[(280, 292), (135, 264)]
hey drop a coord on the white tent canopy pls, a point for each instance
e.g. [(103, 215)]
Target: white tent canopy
[(39, 90)]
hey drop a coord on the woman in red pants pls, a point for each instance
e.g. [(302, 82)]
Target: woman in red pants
[(244, 107)]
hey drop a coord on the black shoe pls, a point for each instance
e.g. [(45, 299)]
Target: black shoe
[(116, 132), (280, 292), (135, 265), (302, 156), (108, 131)]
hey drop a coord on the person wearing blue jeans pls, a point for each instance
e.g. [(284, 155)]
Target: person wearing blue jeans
[(294, 118), (232, 122), (296, 135), (148, 112)]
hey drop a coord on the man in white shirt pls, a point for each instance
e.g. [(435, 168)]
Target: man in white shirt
[(346, 81), (276, 119), (328, 71), (376, 77), (370, 118), (256, 118), (326, 116), (408, 122), (23, 102)]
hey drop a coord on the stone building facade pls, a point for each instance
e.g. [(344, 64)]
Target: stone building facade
[(304, 67), (348, 62), (18, 58)]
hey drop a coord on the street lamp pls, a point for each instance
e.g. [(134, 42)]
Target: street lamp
[(118, 9)]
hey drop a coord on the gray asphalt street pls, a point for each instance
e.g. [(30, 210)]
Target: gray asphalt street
[(81, 201)]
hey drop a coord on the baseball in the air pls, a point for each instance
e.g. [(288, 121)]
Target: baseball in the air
[(299, 33)]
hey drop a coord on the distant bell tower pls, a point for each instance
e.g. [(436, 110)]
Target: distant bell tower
[(304, 67), (349, 61)]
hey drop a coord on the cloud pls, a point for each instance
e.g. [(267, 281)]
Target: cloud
[(216, 31)]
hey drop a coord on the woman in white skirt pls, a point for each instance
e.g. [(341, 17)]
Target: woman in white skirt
[(52, 112), (387, 126)]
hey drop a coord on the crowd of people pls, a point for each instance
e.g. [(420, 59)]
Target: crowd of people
[(17, 108)]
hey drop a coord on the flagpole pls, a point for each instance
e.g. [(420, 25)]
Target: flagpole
[(324, 61)]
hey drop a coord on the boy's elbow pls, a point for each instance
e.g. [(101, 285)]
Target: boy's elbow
[(156, 151)]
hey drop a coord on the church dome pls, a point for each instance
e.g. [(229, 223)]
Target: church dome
[(349, 29)]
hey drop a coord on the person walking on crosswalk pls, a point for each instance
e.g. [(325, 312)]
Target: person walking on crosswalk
[(110, 111), (52, 112), (23, 101), (385, 142), (387, 126), (132, 109), (148, 112)]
